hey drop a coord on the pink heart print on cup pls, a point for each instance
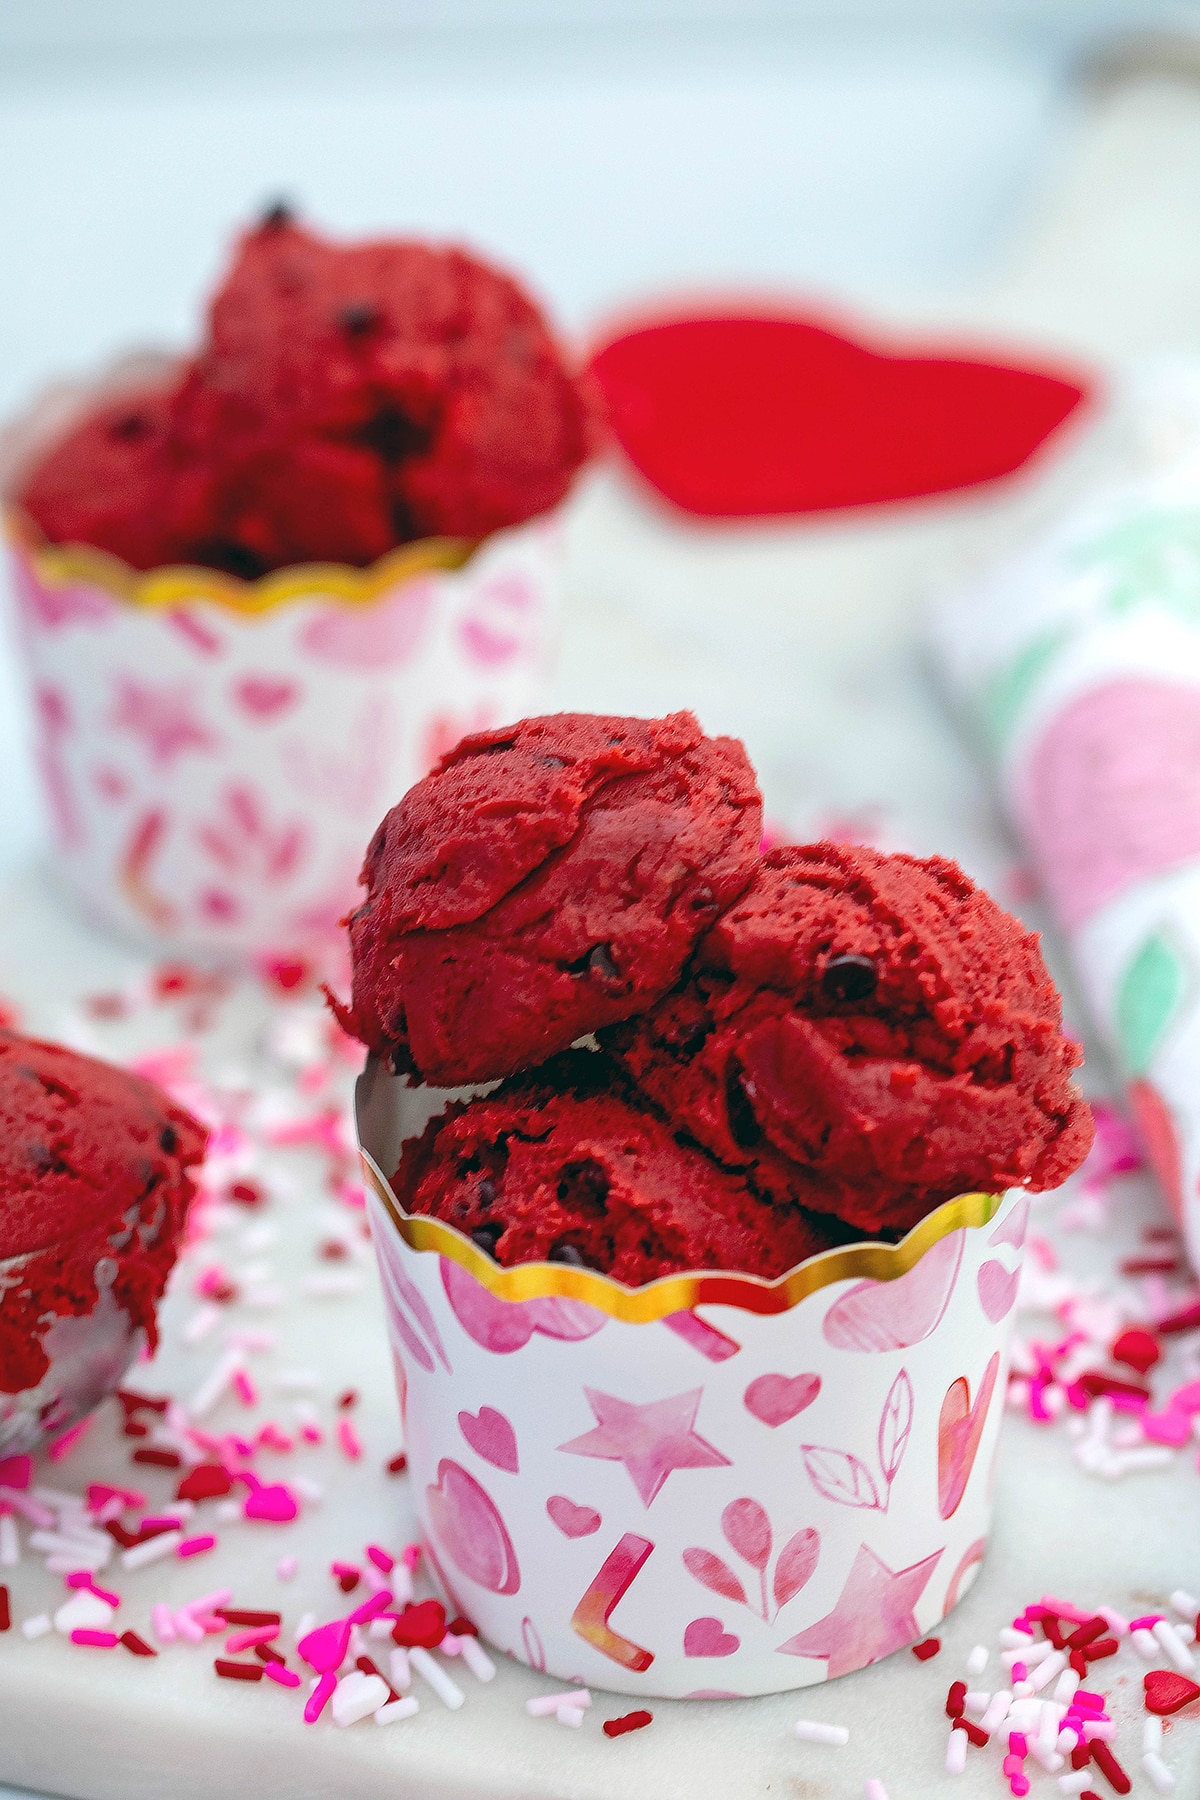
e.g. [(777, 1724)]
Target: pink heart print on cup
[(384, 636), (264, 696), (504, 1326), (573, 1521), (895, 1315), (1111, 794), (468, 1526), (491, 1436), (960, 1427), (775, 1399), (707, 1637)]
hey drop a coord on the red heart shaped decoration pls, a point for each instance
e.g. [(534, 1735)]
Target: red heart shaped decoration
[(960, 1427), (744, 417), (1166, 1691), (423, 1625)]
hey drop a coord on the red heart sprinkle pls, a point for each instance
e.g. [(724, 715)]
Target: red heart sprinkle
[(1166, 1692), (1136, 1348), (208, 1481), (424, 1625)]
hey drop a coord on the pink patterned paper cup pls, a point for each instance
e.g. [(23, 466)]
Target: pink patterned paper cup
[(713, 1486), (215, 753)]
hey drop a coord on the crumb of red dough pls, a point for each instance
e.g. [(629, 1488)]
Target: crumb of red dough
[(869, 1034), (94, 1170), (546, 879), (347, 399), (564, 1165)]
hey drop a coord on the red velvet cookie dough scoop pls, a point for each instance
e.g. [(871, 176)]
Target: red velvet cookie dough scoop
[(545, 880), (94, 1189), (567, 1165), (870, 1034)]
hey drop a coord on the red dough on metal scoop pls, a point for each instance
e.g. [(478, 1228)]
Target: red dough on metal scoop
[(94, 1189), (870, 1035), (566, 1165), (545, 880)]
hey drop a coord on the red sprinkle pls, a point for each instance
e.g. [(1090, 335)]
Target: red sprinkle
[(978, 1737), (1087, 1634), (1081, 1755), (238, 1671), (159, 1459), (347, 1399), (1187, 1320), (136, 1645), (461, 1627), (1094, 1383), (425, 1625), (269, 1654), (132, 1401), (1106, 1647), (633, 1721), (1078, 1661), (208, 1481), (239, 1616), (1148, 1265), (929, 1648), (1104, 1760), (5, 1611), (397, 1466), (956, 1699)]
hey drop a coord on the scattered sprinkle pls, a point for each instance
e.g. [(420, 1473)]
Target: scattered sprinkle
[(632, 1721)]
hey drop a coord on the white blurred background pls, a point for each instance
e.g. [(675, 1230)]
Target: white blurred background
[(610, 150)]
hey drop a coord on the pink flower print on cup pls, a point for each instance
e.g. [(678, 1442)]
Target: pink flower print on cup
[(244, 842)]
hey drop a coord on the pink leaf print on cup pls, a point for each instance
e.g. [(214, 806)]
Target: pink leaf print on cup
[(245, 843), (707, 1637), (54, 727), (468, 1525), (797, 1560), (380, 634), (839, 1475), (715, 1574), (503, 1326), (747, 1530), (1112, 791), (535, 1656), (895, 1425), (491, 1436), (894, 1315)]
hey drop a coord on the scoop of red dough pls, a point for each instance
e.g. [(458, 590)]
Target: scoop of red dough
[(94, 1173), (349, 398), (869, 1034), (544, 880), (565, 1165)]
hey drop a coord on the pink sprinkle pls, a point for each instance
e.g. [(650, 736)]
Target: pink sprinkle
[(209, 1602), (161, 1522), (246, 1640), (188, 1628), (276, 1504), (60, 1445), (410, 1556), (213, 1283), (1019, 1785), (196, 1546), (271, 1438), (324, 1649), (83, 1578), (1013, 1764), (163, 1624), (1023, 1625), (16, 1471), (317, 1701), (239, 1446), (287, 1567), (244, 1387), (1018, 1744), (1038, 1410), (1185, 1399), (1065, 1610), (348, 1438), (99, 1640), (340, 1569), (1146, 1623), (1169, 1427), (1086, 1699), (1020, 1672), (371, 1609), (312, 1434), (285, 1677), (381, 1559)]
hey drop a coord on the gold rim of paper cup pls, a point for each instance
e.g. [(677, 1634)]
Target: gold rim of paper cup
[(65, 565), (670, 1293)]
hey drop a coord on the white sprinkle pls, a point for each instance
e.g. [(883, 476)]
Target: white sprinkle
[(1065, 1687), (332, 1284), (256, 1339), (978, 1660), (1047, 1731), (60, 1498), (228, 1512), (55, 1544), (10, 1543), (1050, 1760), (306, 1413), (570, 1715), (976, 1700), (356, 1695), (307, 1621), (875, 1790), (447, 1691), (265, 1298), (997, 1711), (395, 1710), (1074, 1783), (190, 1629), (1067, 1740), (308, 1490), (1099, 1728), (379, 1629), (1022, 1689), (260, 1237), (476, 1658), (402, 1584), (1173, 1646), (814, 1732), (398, 1669), (1117, 1623), (1145, 1643), (1158, 1772), (205, 1319), (216, 1383), (542, 1705), (1048, 1670), (956, 1752), (1185, 1604), (38, 1626), (84, 1611), (92, 1561), (1152, 1734), (152, 1551), (27, 1506), (1012, 1639), (286, 1569)]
